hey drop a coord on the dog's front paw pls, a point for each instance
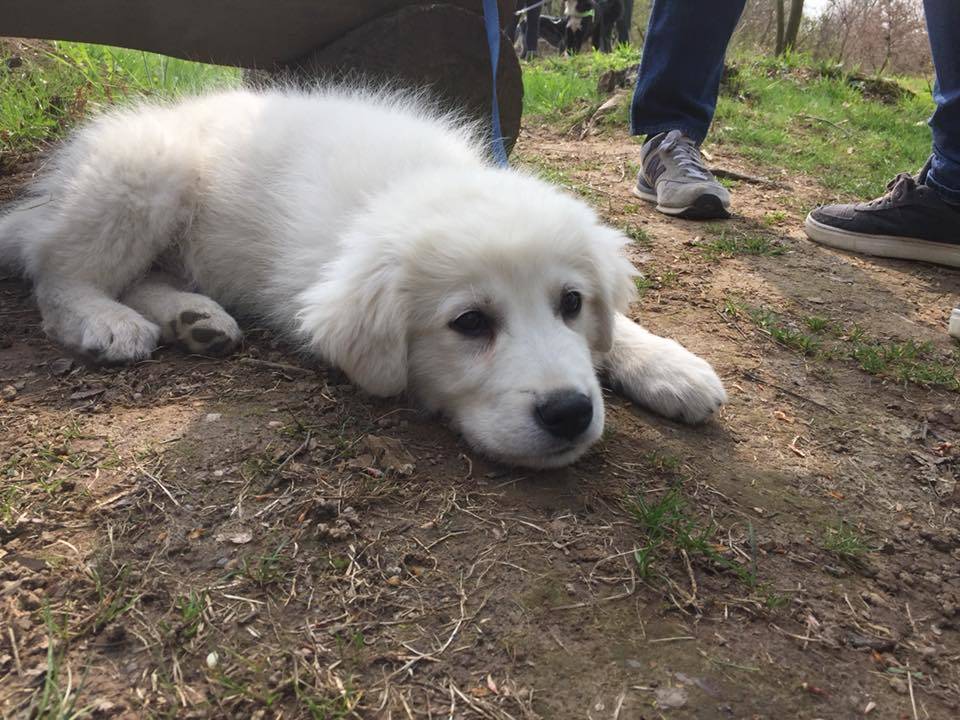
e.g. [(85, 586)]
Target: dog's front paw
[(116, 337), (662, 375), (679, 385)]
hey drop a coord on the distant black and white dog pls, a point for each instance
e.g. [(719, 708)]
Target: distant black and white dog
[(594, 19), (582, 19)]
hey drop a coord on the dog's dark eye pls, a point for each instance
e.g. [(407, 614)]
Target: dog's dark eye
[(570, 303), (472, 323)]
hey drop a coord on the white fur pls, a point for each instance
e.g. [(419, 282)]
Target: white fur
[(360, 225)]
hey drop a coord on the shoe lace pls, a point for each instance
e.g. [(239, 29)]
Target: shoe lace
[(685, 154), (902, 184)]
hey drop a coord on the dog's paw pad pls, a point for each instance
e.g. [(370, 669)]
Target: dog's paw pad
[(189, 317), (206, 333)]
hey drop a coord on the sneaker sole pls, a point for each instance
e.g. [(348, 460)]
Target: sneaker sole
[(705, 207), (888, 246)]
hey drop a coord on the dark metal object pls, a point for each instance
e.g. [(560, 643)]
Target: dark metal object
[(438, 44)]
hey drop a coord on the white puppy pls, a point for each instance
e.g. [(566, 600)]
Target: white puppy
[(370, 230)]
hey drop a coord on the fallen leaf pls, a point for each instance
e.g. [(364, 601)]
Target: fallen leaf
[(238, 538), (389, 454)]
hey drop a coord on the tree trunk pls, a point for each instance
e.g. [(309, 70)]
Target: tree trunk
[(793, 25), (778, 49)]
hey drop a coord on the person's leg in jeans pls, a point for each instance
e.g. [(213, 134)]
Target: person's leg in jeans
[(531, 41), (674, 101), (943, 28), (624, 23), (919, 217)]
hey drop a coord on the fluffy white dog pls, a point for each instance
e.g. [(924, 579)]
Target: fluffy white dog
[(371, 231)]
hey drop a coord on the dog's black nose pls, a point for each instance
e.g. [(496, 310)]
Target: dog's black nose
[(565, 414)]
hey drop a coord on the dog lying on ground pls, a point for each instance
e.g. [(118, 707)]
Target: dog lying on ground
[(371, 231)]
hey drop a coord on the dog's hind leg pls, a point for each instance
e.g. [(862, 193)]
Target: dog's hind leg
[(661, 374), (114, 199), (194, 322)]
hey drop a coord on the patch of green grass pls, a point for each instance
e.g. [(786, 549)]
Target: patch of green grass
[(320, 706), (816, 323), (56, 699), (546, 171), (669, 527), (663, 462), (190, 608), (10, 498), (783, 332), (638, 234), (267, 570), (653, 279), (261, 464), (732, 243), (559, 176), (555, 87), (819, 337), (61, 82), (774, 601), (114, 595), (775, 218), (249, 687), (906, 361), (844, 541), (807, 117), (643, 284)]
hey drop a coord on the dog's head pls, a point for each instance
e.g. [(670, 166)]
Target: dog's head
[(488, 295)]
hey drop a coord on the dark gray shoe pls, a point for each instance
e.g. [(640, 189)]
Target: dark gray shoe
[(911, 222), (674, 176)]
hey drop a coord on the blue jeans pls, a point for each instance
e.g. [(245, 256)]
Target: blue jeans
[(682, 64), (943, 27)]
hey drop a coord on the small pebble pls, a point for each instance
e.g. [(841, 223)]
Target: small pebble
[(212, 417), (674, 697), (899, 685), (212, 660), (61, 366)]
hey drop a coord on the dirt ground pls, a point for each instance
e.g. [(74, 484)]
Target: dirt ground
[(251, 537)]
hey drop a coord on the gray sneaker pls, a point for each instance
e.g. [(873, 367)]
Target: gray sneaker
[(673, 175)]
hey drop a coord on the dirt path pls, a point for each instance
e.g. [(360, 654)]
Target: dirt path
[(251, 538)]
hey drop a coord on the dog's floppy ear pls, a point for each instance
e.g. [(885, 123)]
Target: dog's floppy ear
[(615, 286), (354, 318)]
